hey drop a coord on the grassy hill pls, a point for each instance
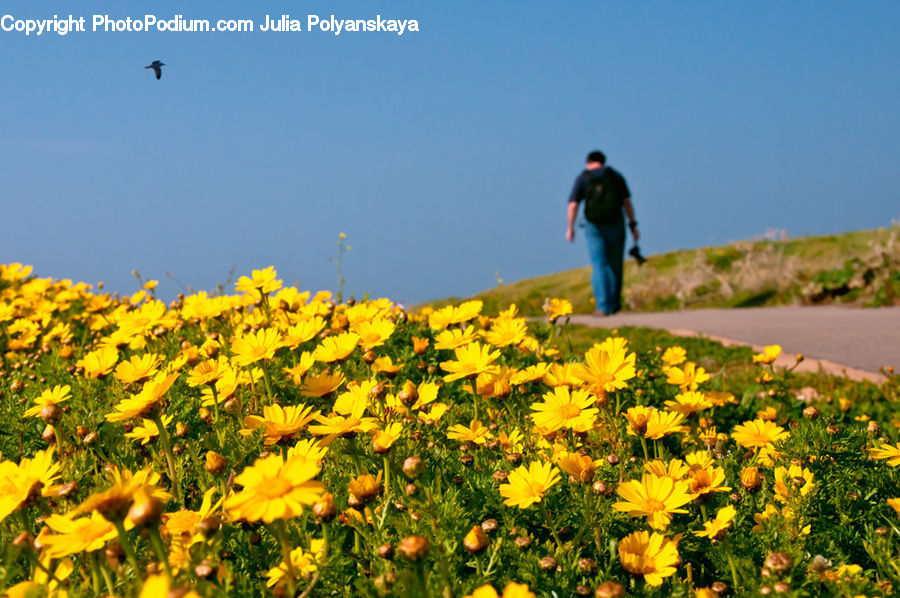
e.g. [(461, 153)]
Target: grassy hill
[(859, 268)]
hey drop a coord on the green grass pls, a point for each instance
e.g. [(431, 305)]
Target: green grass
[(805, 270)]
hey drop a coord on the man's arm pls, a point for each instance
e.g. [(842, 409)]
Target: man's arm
[(571, 214), (632, 223)]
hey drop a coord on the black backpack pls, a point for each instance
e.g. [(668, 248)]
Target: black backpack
[(602, 199)]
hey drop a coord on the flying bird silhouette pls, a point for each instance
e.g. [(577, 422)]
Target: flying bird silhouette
[(157, 67)]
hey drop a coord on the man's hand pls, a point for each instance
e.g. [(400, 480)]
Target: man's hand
[(635, 234), (570, 234)]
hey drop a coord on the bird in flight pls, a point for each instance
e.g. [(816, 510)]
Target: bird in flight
[(157, 67)]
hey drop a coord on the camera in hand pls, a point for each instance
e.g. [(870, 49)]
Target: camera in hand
[(635, 252)]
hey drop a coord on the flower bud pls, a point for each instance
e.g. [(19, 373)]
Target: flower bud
[(523, 542), (205, 570), (414, 548), (413, 467), (476, 540), (50, 414), (324, 510), (779, 562), (24, 540), (147, 512), (587, 566), (386, 551), (215, 463), (232, 406), (209, 526), (489, 525), (811, 412), (750, 479), (610, 589), (548, 563), (205, 415), (500, 476), (181, 430), (49, 435), (409, 394)]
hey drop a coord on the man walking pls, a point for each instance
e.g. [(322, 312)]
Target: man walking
[(605, 194)]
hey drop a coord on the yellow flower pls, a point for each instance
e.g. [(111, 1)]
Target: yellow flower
[(471, 360), (663, 423), (716, 527), (762, 518), (84, 534), (894, 503), (420, 345), (336, 348), (139, 367), (655, 497), (99, 363), (208, 372), (304, 563), (556, 308), (768, 414), (279, 423), (114, 502), (51, 396), (453, 338), (275, 489), (263, 281), (769, 354), (148, 431), (758, 433), (789, 480), (145, 401), (674, 356), (29, 478), (891, 453), (466, 311), (251, 348), (374, 333), (364, 488), (650, 555), (303, 331), (530, 374), (157, 586), (506, 331), (436, 412), (565, 409), (347, 417), (528, 485), (638, 417), (580, 467), (474, 433), (512, 590), (707, 480), (676, 468), (689, 402), (322, 384), (384, 439), (687, 378), (563, 375), (608, 366)]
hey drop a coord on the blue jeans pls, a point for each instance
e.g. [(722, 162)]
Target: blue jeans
[(606, 244)]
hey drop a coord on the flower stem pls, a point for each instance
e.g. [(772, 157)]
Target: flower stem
[(550, 524), (268, 381), (734, 577), (170, 457), (281, 534), (158, 547), (644, 446), (126, 546)]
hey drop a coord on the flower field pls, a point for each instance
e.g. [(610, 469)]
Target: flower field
[(277, 442)]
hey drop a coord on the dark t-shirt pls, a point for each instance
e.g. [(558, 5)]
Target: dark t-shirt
[(581, 184)]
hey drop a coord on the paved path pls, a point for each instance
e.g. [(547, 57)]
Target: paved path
[(858, 340)]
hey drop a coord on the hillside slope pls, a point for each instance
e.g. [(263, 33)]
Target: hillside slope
[(858, 268)]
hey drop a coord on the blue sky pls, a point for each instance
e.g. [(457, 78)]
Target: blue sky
[(444, 155)]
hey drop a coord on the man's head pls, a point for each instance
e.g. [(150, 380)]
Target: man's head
[(595, 159)]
